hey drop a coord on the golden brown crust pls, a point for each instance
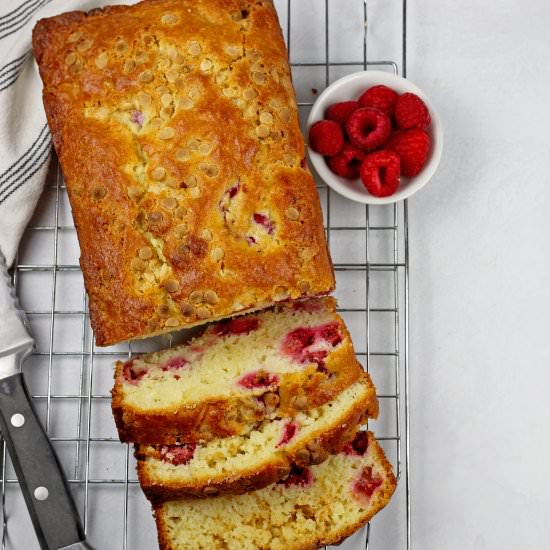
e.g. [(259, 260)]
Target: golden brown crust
[(315, 451), (382, 497), (209, 178), (191, 422)]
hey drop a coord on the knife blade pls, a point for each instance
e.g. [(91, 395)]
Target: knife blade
[(43, 484)]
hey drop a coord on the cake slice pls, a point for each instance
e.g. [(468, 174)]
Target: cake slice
[(313, 507), (254, 460), (265, 365)]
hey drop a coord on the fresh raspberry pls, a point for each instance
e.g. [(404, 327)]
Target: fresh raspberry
[(379, 97), (326, 137), (411, 112), (380, 173), (413, 147), (347, 162), (339, 112), (368, 128)]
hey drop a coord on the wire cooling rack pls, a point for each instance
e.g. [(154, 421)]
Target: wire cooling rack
[(70, 379)]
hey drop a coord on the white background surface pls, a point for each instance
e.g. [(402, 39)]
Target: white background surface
[(480, 280), (480, 354)]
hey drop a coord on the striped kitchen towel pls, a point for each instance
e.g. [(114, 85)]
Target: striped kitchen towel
[(25, 141)]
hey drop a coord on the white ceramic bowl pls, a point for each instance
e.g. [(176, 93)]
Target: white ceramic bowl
[(351, 87)]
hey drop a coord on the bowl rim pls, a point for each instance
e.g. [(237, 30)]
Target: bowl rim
[(341, 185)]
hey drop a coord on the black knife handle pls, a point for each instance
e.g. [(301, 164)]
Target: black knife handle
[(49, 500)]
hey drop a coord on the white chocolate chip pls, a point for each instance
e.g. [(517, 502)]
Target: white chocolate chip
[(158, 174), (135, 193), (233, 51), (217, 254), (121, 47), (169, 203), (210, 297), (146, 76), (156, 122), (206, 234), (205, 148), (206, 65), (169, 19), (182, 155), (101, 60), (194, 48), (262, 131), (70, 59), (193, 144), (194, 93), (144, 99), (84, 45), (171, 285), (181, 230), (266, 117), (145, 253), (191, 181), (250, 93), (129, 66), (211, 170), (185, 103), (171, 322), (74, 37), (142, 57), (172, 75), (292, 213), (258, 77), (166, 100), (166, 133)]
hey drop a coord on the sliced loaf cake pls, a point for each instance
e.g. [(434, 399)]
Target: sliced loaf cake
[(262, 456), (314, 506)]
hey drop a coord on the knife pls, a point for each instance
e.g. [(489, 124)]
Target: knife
[(43, 484)]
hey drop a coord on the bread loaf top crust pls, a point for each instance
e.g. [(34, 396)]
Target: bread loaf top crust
[(176, 126)]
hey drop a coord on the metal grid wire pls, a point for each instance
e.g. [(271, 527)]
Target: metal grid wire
[(69, 378)]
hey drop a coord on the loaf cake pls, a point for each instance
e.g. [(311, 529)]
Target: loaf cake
[(176, 126), (263, 456), (313, 507), (270, 364)]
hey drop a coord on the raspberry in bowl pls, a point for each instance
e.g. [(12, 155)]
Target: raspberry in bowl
[(374, 137)]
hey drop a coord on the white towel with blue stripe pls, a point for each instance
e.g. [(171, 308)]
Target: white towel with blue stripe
[(25, 141)]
